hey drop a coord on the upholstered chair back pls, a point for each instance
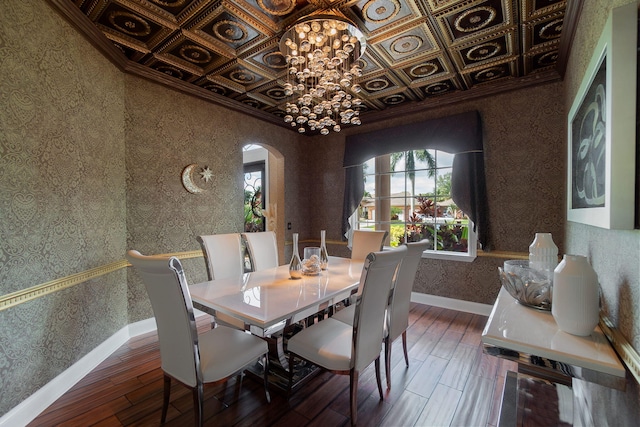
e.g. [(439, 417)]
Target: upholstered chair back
[(378, 275), (167, 288), (401, 301), (224, 255), (365, 242), (263, 249)]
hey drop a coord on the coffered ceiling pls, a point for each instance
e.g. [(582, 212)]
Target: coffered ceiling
[(419, 53)]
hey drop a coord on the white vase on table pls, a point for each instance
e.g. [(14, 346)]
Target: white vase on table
[(576, 298), (543, 254)]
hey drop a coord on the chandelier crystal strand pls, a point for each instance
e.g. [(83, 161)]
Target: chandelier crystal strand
[(321, 53)]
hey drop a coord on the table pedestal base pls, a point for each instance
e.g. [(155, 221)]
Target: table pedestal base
[(531, 401)]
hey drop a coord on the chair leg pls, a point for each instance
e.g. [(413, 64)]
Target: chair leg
[(387, 360), (266, 377), (377, 364), (165, 399), (404, 347), (198, 404), (353, 395)]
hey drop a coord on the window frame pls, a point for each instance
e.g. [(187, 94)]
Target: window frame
[(472, 242)]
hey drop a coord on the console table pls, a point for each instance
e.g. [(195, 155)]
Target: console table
[(547, 357)]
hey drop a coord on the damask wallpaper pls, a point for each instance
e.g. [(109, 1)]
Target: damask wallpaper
[(90, 160), (62, 197)]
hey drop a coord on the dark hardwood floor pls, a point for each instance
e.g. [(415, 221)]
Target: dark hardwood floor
[(449, 382)]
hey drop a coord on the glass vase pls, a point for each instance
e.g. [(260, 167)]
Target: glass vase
[(295, 265), (324, 255)]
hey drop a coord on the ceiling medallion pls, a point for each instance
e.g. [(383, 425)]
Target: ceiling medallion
[(394, 99), (215, 88), (490, 74), (130, 24), (275, 60), (230, 31), (276, 93), (406, 44), (321, 51), (423, 70), (437, 88), (552, 30), (175, 3), (375, 85), (242, 76), (475, 19), (547, 59), (170, 71), (277, 7), (484, 51), (380, 11), (196, 54)]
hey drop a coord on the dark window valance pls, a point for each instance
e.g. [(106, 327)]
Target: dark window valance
[(460, 134)]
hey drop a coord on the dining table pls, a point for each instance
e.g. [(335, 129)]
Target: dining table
[(270, 302)]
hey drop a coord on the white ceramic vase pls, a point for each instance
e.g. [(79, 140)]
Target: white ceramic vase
[(576, 298), (543, 254)]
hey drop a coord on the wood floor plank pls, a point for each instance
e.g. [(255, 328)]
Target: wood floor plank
[(427, 377), (126, 388), (405, 411), (441, 407), (457, 371), (475, 403)]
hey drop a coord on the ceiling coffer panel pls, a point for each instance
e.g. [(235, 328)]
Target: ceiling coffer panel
[(417, 52)]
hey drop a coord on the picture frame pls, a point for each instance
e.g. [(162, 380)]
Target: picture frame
[(602, 130)]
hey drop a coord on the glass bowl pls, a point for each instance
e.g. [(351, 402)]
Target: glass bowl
[(529, 287)]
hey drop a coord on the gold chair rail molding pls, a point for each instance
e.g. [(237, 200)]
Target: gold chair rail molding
[(29, 294)]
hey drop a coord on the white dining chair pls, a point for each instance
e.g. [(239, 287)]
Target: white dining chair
[(186, 356), (224, 258), (345, 349), (365, 242), (263, 249), (223, 255), (400, 303)]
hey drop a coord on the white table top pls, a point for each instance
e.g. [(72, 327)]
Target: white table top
[(515, 327), (267, 297)]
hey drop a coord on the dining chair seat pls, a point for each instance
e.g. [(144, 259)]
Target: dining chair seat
[(333, 337)]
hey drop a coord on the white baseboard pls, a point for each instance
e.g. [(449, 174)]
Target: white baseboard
[(453, 304), (27, 410), (30, 408)]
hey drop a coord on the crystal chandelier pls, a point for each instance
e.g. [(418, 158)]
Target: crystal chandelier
[(322, 52)]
